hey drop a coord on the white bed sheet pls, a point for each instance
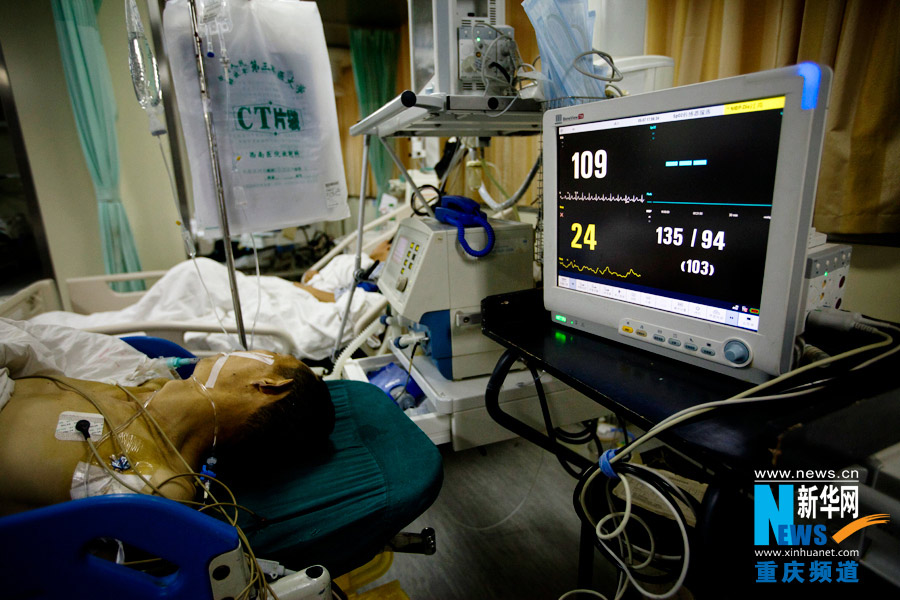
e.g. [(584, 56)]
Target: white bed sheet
[(179, 296), (28, 349)]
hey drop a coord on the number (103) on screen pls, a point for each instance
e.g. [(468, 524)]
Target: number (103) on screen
[(589, 164)]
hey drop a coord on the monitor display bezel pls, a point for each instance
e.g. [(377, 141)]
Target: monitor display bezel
[(799, 151)]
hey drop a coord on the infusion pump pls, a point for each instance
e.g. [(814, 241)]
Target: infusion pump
[(436, 288)]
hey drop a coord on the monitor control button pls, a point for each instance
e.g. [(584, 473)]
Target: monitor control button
[(737, 352)]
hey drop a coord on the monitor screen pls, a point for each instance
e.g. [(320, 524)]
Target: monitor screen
[(677, 221), (671, 210)]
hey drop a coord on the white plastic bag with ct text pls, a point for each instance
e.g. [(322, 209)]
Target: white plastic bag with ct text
[(273, 112)]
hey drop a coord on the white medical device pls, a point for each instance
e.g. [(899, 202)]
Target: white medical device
[(460, 47), (437, 288), (677, 220)]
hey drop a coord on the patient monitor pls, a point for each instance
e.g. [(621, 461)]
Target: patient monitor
[(437, 288), (677, 220)]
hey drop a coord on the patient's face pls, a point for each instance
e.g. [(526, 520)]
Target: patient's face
[(235, 373)]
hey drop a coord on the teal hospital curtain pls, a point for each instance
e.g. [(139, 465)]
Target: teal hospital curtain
[(90, 90), (374, 55)]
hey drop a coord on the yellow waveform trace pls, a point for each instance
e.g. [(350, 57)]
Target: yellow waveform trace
[(570, 264)]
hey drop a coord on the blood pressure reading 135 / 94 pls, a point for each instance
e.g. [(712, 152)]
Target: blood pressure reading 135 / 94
[(671, 210)]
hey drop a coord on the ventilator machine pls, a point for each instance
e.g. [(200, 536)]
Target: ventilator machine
[(435, 288)]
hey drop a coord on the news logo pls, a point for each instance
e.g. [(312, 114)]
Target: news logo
[(806, 515)]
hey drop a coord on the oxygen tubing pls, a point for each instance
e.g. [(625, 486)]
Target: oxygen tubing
[(344, 356)]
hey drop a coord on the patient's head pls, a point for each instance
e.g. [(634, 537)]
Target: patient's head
[(273, 410), (301, 417)]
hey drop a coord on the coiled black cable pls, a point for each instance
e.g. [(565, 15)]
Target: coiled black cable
[(415, 198)]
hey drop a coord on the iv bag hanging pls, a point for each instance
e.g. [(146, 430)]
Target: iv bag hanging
[(273, 111)]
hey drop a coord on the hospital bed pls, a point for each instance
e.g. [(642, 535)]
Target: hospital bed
[(90, 295), (93, 294)]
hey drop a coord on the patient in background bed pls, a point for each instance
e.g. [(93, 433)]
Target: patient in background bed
[(181, 296), (379, 254), (260, 410)]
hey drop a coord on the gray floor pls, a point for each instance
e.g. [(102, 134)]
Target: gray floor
[(532, 554)]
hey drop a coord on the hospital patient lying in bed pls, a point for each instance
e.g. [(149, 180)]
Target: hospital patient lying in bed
[(310, 314), (239, 404)]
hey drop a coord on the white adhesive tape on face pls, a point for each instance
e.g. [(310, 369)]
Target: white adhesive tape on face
[(263, 358), (217, 367), (214, 372)]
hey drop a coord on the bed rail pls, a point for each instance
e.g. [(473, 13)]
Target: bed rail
[(93, 294), (38, 297), (176, 330)]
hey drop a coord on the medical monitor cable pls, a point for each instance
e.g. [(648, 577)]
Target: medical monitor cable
[(697, 410), (646, 475), (548, 423), (114, 437), (663, 489), (585, 435), (413, 198), (514, 511), (616, 73), (679, 519), (115, 431), (199, 481), (626, 548)]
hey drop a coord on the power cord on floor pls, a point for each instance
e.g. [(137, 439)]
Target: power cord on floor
[(512, 513)]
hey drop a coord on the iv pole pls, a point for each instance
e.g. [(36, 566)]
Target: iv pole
[(217, 176), (357, 270)]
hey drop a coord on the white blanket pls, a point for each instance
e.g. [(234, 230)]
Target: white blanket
[(28, 349), (179, 296)]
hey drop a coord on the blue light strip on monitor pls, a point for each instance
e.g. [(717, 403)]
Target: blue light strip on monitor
[(812, 77)]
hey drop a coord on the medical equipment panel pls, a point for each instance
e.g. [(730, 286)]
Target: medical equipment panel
[(827, 267), (681, 217), (434, 285), (459, 46)]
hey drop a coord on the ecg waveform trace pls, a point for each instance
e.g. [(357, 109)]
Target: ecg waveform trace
[(565, 263), (576, 196)]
